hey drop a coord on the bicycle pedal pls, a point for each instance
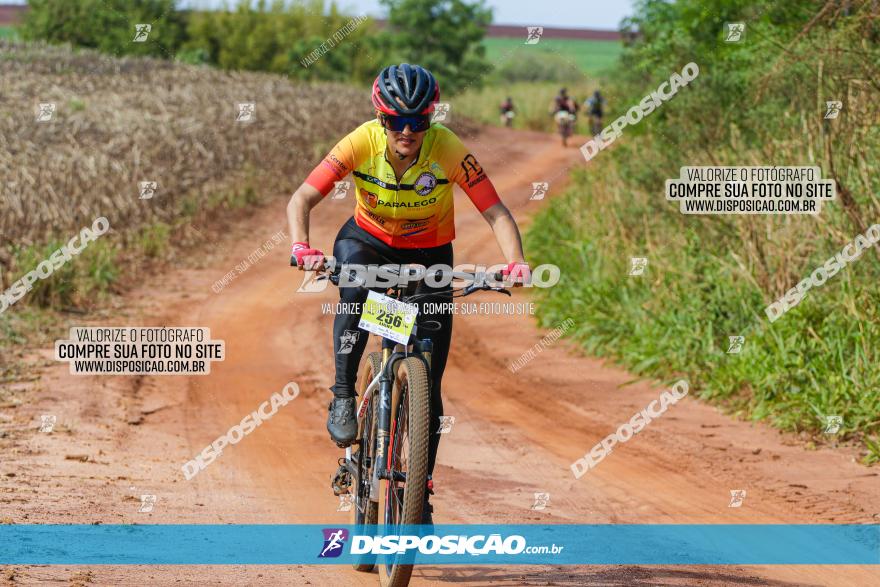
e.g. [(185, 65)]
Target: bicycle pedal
[(353, 443), (341, 483)]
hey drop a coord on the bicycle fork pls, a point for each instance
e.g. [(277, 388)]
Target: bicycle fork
[(382, 468), (381, 451), (382, 462)]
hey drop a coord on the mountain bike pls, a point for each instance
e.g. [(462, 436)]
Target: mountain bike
[(386, 469), (595, 123), (565, 125)]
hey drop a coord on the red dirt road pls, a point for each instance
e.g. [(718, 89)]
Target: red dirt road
[(514, 434)]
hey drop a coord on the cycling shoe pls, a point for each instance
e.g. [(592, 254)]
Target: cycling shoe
[(341, 421)]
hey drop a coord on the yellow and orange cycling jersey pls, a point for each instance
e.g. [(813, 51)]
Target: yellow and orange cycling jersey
[(417, 209)]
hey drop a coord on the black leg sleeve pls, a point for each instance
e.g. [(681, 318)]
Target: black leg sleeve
[(349, 342)]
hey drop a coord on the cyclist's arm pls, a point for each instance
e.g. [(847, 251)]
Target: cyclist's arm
[(339, 162), (301, 203), (470, 176), (506, 232)]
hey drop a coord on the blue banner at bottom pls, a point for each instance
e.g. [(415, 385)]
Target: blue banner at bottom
[(503, 544)]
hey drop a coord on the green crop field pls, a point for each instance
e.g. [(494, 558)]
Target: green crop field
[(593, 57), (532, 74)]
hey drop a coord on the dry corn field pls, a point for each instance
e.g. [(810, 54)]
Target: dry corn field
[(118, 122)]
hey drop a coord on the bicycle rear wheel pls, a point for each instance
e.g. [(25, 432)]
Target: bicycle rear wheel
[(401, 502), (365, 512)]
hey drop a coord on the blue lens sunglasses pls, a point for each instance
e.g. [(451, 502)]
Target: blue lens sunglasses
[(417, 122)]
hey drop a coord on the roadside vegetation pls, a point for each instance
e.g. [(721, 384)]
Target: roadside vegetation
[(531, 75), (277, 36), (593, 57), (758, 102), (476, 73), (164, 110), (531, 99), (122, 121)]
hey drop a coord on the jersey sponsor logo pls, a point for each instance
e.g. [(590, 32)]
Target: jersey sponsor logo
[(370, 198), (408, 204), (410, 225), (374, 216), (335, 165), (473, 171), (425, 183), (374, 180), (414, 232)]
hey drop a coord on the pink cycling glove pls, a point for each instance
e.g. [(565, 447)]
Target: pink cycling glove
[(306, 257), (518, 272)]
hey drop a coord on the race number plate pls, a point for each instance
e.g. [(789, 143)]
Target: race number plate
[(388, 317)]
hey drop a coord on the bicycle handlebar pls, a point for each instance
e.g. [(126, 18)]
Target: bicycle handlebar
[(335, 271)]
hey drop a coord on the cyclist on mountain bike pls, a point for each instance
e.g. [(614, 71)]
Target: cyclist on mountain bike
[(564, 110), (595, 105), (507, 112), (563, 103), (404, 168)]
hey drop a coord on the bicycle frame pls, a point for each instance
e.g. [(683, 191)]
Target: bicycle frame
[(384, 383), (377, 441), (392, 353)]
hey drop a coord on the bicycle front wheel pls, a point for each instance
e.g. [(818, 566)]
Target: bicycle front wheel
[(401, 502)]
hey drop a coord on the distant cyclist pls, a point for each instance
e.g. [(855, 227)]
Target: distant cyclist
[(563, 103), (564, 110), (595, 105), (404, 168), (507, 112)]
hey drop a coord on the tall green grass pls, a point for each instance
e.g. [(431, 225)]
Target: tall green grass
[(820, 359), (531, 99), (761, 102)]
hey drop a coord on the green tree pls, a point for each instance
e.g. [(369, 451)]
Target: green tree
[(278, 36), (106, 25), (444, 36)]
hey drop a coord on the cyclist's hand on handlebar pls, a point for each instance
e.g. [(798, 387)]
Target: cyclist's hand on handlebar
[(517, 272), (306, 258)]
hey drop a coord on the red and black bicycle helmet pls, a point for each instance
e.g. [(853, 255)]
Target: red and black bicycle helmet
[(405, 90)]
